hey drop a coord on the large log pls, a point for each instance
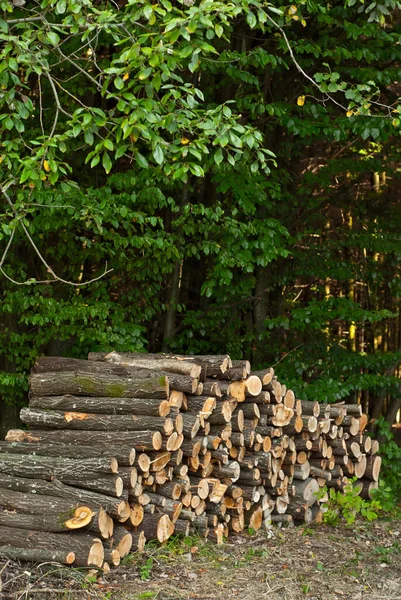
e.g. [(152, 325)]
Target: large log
[(69, 514), (110, 485), (118, 508), (124, 456), (87, 549), (145, 384), (54, 419), (51, 522), (221, 362), (35, 556), (154, 407), (116, 364), (141, 440), (47, 467)]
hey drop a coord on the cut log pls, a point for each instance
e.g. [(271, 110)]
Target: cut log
[(177, 399), (154, 407), (366, 488), (35, 555), (46, 467), (54, 419), (153, 362), (110, 485), (76, 518), (145, 384), (121, 540), (373, 466), (211, 388), (124, 456), (141, 440), (157, 527), (238, 372), (282, 415), (360, 466), (309, 407), (253, 385), (183, 527), (254, 518), (266, 375), (305, 491), (87, 550), (116, 507)]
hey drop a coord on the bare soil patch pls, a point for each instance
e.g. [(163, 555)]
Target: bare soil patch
[(359, 562)]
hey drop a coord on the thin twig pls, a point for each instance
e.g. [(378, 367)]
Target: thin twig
[(10, 241), (287, 353), (298, 66)]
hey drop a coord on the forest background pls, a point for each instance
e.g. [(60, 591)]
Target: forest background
[(204, 177)]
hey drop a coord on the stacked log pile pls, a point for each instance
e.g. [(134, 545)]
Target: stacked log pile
[(123, 448)]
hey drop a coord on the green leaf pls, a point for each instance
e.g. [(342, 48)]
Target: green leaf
[(61, 6), (53, 38), (193, 65), (218, 156), (251, 20), (108, 144), (141, 160), (196, 170), (158, 154), (106, 162), (219, 30)]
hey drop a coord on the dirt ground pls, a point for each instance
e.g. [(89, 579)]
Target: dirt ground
[(359, 562)]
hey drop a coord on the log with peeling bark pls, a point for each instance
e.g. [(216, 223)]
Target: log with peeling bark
[(116, 364), (87, 549)]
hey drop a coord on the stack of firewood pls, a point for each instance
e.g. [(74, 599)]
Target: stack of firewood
[(124, 448)]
